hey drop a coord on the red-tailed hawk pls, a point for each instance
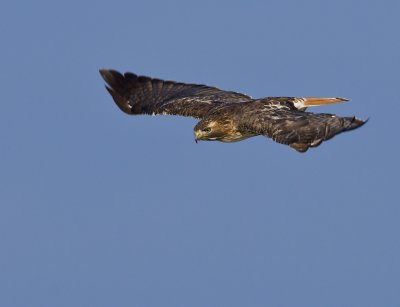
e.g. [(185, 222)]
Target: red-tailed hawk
[(229, 116)]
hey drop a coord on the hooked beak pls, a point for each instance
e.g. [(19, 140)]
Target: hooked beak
[(197, 136)]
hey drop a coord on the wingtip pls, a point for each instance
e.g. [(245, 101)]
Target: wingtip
[(116, 85), (105, 74), (363, 121), (356, 123), (110, 75), (102, 71)]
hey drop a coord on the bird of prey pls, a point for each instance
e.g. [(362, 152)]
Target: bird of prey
[(229, 116)]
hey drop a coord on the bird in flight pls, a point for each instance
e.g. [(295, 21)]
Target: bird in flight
[(229, 116)]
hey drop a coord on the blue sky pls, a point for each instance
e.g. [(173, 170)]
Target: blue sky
[(101, 209)]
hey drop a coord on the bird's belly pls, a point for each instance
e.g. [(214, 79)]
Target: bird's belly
[(236, 137)]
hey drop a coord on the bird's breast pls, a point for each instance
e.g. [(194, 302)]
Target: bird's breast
[(236, 137)]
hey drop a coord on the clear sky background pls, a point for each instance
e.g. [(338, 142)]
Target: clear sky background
[(101, 209)]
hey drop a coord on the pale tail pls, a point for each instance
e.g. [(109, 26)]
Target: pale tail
[(302, 103)]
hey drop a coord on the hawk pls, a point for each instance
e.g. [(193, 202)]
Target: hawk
[(229, 116)]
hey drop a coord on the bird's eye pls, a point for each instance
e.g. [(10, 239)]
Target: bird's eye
[(206, 129)]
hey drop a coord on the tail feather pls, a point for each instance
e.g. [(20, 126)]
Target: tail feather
[(314, 101), (303, 103)]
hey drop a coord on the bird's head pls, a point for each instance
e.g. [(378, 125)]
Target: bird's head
[(212, 129)]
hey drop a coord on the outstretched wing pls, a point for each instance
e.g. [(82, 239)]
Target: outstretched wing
[(287, 125), (143, 95)]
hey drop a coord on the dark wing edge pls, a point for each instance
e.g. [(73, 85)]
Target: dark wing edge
[(300, 130), (135, 94)]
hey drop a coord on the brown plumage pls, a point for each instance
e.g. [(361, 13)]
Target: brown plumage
[(229, 116)]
